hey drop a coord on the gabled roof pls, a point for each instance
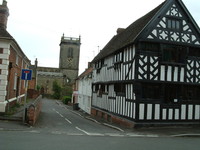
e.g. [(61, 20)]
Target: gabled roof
[(85, 73), (4, 34), (127, 36), (137, 29)]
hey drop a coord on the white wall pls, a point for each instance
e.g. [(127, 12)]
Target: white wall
[(85, 94)]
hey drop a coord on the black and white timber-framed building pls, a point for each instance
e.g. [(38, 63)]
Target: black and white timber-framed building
[(150, 71)]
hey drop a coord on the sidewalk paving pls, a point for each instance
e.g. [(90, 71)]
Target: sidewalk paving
[(14, 122)]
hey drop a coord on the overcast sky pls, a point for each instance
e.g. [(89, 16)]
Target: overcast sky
[(37, 25)]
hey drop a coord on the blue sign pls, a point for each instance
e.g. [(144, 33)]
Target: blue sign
[(26, 74)]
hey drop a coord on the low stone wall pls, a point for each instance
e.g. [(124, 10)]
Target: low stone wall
[(112, 118), (33, 111)]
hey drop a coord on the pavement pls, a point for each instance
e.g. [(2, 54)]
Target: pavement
[(9, 124)]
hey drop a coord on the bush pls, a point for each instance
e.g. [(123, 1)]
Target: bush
[(57, 90), (66, 99)]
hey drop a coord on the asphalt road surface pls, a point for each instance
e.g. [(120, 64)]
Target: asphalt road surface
[(59, 128)]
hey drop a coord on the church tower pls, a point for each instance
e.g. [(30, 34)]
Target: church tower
[(69, 57)]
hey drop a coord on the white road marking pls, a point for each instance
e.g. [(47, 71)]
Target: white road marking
[(115, 134), (83, 131), (68, 121), (114, 127), (62, 116)]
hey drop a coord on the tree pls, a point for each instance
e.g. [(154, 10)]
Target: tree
[(57, 90)]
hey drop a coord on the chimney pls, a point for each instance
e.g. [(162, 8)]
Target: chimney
[(4, 13), (36, 63), (119, 30)]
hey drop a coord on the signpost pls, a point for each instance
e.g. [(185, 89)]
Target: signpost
[(26, 74)]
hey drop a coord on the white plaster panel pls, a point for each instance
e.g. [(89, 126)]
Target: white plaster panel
[(149, 111), (3, 77), (4, 56), (2, 106), (169, 72), (141, 112), (190, 110), (131, 110), (2, 88), (2, 98), (134, 110), (176, 114), (162, 73), (164, 114), (4, 72), (197, 112), (4, 82), (5, 62), (182, 75), (176, 74), (157, 111), (5, 67), (3, 93), (6, 51), (183, 112), (170, 114)]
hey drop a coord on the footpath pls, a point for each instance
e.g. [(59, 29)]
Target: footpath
[(169, 131), (14, 122)]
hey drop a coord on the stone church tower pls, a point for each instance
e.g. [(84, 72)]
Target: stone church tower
[(68, 69), (69, 58)]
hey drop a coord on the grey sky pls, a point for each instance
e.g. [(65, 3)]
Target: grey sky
[(37, 25)]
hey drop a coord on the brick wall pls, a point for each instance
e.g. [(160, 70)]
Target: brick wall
[(34, 111), (112, 118)]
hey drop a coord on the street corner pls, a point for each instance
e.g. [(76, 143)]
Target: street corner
[(6, 125)]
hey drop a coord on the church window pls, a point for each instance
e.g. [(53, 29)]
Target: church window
[(70, 52)]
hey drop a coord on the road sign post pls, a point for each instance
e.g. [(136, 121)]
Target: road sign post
[(26, 74)]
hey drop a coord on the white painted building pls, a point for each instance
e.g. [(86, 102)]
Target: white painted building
[(85, 90)]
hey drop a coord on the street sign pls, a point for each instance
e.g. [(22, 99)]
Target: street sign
[(26, 74)]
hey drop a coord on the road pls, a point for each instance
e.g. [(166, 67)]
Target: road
[(58, 119), (59, 128)]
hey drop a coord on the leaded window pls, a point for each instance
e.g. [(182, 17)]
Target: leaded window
[(174, 24)]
